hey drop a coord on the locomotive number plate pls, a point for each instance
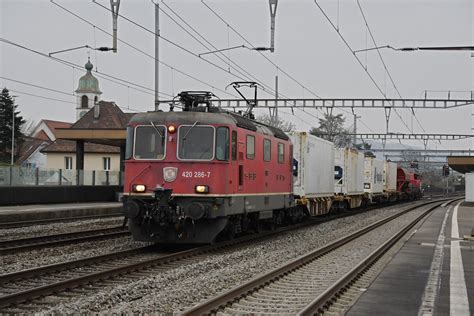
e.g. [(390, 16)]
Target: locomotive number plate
[(196, 174)]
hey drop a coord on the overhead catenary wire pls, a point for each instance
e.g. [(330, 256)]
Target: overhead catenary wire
[(142, 51), (103, 75), (41, 96), (167, 40), (278, 67), (383, 62), (173, 43), (37, 86), (262, 54), (219, 54), (65, 101), (357, 58)]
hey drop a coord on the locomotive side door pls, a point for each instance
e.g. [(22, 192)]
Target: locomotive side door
[(240, 162)]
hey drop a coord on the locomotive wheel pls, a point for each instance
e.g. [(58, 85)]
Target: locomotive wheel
[(230, 231)]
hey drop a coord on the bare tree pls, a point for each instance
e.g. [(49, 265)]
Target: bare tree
[(279, 123), (331, 128)]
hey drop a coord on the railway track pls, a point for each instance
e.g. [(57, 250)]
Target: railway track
[(30, 287), (313, 282), (16, 245)]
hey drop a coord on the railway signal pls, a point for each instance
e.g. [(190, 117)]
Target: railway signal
[(445, 170)]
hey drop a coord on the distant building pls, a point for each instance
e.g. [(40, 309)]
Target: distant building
[(88, 92), (30, 154), (43, 134), (93, 117), (46, 129), (62, 155)]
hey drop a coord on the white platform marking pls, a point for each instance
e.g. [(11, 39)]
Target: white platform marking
[(458, 299), (432, 286)]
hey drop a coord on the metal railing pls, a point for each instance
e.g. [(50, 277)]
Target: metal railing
[(24, 176)]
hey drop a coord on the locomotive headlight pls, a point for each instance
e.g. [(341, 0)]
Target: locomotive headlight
[(139, 188), (202, 189), (171, 129)]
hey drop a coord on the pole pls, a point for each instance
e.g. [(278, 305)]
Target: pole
[(157, 50), (13, 133), (115, 4), (355, 130), (276, 98)]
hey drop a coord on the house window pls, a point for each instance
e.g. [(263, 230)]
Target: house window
[(281, 153), (250, 147), (68, 163), (106, 163), (267, 150), (84, 102)]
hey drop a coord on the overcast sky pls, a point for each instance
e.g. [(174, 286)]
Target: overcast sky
[(306, 47)]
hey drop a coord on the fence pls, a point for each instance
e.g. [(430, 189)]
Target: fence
[(23, 176)]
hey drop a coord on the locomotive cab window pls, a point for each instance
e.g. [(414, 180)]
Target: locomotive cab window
[(250, 147), (281, 153), (150, 142), (222, 143), (129, 142), (195, 142), (267, 150)]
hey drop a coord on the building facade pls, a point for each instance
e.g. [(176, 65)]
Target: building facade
[(91, 113)]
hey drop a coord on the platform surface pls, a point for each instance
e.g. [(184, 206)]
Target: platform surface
[(433, 273), (51, 211)]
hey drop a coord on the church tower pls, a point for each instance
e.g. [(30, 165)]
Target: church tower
[(88, 93)]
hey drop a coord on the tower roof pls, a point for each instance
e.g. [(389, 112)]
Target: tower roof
[(88, 83)]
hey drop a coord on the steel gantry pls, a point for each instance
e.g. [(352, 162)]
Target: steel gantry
[(340, 103), (446, 152), (400, 136)]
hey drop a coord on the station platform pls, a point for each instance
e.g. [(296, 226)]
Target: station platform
[(47, 212), (432, 274)]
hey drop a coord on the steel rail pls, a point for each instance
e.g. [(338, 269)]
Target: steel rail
[(68, 265), (71, 283), (325, 300), (227, 298), (60, 286), (15, 245)]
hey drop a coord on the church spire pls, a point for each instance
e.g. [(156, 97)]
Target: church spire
[(87, 92)]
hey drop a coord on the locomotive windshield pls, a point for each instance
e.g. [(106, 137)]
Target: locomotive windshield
[(150, 142), (196, 142)]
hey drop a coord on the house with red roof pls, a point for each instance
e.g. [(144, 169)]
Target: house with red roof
[(96, 141)]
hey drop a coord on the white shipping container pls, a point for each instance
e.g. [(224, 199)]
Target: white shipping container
[(315, 165), (373, 175), (349, 171), (469, 187), (389, 176)]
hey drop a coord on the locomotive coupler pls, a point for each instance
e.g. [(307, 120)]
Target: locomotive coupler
[(165, 210), (162, 196)]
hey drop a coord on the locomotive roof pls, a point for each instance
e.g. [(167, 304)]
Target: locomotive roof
[(225, 118)]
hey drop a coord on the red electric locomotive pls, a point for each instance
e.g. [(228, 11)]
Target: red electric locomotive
[(408, 184), (201, 172)]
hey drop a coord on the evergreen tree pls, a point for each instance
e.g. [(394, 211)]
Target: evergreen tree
[(7, 110), (331, 128)]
